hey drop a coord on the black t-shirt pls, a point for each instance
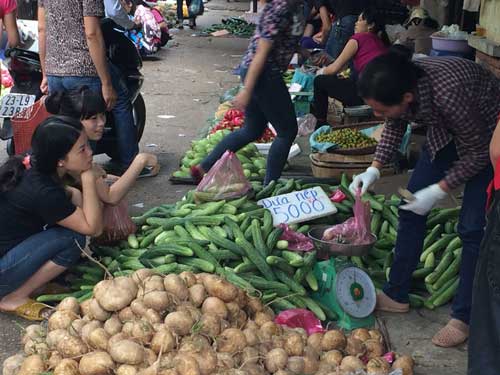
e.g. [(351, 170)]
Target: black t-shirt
[(36, 202)]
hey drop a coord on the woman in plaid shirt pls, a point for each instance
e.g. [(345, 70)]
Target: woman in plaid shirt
[(458, 101)]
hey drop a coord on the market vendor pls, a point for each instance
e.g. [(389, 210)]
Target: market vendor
[(265, 97), (369, 41), (89, 107), (459, 101), (43, 224), (485, 316)]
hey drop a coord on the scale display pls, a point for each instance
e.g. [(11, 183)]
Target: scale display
[(355, 292)]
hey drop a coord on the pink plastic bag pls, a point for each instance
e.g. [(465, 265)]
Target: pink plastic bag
[(296, 241), (300, 318), (117, 224), (338, 196), (225, 180), (355, 230)]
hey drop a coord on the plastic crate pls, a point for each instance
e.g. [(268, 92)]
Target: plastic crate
[(25, 123)]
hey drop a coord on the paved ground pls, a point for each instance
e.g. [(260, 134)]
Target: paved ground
[(186, 82)]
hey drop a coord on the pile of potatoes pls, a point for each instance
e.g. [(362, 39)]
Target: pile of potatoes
[(187, 324)]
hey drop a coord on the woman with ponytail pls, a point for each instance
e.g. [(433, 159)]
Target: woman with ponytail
[(43, 224), (369, 41), (89, 107)]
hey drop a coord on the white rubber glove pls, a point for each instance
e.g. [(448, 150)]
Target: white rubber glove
[(425, 200), (320, 72), (364, 180)]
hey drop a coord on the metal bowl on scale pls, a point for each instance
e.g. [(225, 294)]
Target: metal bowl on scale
[(334, 248)]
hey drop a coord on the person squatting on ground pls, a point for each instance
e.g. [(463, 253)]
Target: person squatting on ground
[(89, 108), (43, 223)]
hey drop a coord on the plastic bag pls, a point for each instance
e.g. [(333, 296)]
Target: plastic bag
[(355, 230), (296, 241), (338, 196), (307, 124), (196, 8), (321, 146), (225, 180), (300, 318), (117, 224)]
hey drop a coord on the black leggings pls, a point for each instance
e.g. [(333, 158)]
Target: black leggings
[(180, 3), (270, 102), (325, 86)]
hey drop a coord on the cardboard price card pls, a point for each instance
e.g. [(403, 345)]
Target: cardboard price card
[(299, 206)]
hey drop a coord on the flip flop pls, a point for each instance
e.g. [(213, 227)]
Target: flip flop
[(150, 171), (452, 334), (30, 310)]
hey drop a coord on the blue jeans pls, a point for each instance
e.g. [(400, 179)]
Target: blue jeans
[(340, 33), (56, 244), (270, 102), (126, 132), (412, 229)]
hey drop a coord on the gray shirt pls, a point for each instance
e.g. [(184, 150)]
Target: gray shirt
[(67, 52), (115, 11)]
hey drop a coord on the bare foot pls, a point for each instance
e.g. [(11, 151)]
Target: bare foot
[(10, 303)]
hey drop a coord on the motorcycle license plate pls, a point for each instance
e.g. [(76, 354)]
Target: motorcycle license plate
[(12, 104)]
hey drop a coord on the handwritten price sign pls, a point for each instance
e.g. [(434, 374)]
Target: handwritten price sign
[(299, 206)]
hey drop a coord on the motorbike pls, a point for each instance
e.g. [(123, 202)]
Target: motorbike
[(25, 69)]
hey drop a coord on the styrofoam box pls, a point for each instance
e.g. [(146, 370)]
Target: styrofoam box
[(264, 149)]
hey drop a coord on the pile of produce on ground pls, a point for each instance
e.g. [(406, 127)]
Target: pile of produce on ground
[(252, 161), (234, 119), (346, 138), (436, 279), (236, 26), (234, 239), (188, 324)]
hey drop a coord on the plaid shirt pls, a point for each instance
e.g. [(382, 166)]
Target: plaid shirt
[(459, 101)]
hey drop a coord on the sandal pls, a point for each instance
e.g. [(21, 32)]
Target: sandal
[(31, 310), (452, 334), (387, 304), (150, 171)]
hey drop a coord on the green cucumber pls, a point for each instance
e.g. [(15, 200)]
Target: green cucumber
[(438, 245), (258, 239), (447, 294), (273, 238), (440, 268), (293, 258), (201, 264), (132, 241), (449, 273), (256, 258), (433, 235)]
